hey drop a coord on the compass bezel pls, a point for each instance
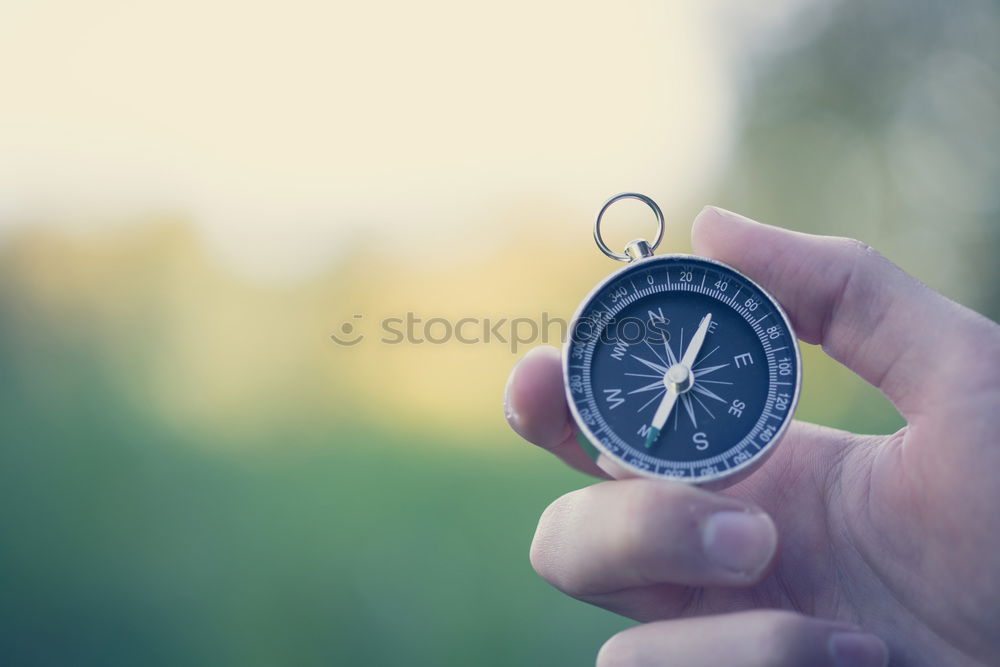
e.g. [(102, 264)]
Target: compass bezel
[(723, 478)]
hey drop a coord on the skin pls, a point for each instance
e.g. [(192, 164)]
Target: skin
[(866, 550)]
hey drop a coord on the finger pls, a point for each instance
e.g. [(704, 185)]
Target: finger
[(865, 311), (605, 539), (762, 638), (535, 406)]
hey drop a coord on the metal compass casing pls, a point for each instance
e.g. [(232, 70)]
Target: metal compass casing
[(680, 367)]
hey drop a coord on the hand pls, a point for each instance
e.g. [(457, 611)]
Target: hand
[(886, 542)]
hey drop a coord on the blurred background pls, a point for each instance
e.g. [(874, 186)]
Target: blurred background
[(194, 195)]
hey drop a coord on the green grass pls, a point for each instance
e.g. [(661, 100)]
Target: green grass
[(124, 543)]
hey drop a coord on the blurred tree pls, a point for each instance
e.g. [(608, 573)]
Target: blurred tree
[(883, 127)]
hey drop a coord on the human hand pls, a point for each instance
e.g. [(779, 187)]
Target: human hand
[(886, 542)]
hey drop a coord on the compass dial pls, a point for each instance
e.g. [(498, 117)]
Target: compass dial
[(681, 367)]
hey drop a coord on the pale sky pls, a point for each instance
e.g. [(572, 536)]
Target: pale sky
[(283, 129)]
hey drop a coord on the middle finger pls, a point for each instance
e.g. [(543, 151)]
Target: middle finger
[(627, 534)]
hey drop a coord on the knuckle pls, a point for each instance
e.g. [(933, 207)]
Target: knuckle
[(864, 259), (858, 255), (857, 248), (855, 271)]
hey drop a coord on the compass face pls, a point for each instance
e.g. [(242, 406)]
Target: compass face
[(692, 350)]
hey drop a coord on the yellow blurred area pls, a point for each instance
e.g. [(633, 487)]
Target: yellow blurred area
[(224, 357), (207, 190), (230, 361), (282, 129)]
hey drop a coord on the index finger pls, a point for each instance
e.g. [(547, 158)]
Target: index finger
[(868, 314)]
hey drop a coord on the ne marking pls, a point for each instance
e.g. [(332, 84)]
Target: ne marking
[(705, 357)]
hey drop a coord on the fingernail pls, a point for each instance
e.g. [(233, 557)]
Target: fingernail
[(741, 542), (856, 649)]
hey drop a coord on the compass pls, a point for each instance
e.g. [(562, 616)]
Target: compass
[(679, 366)]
